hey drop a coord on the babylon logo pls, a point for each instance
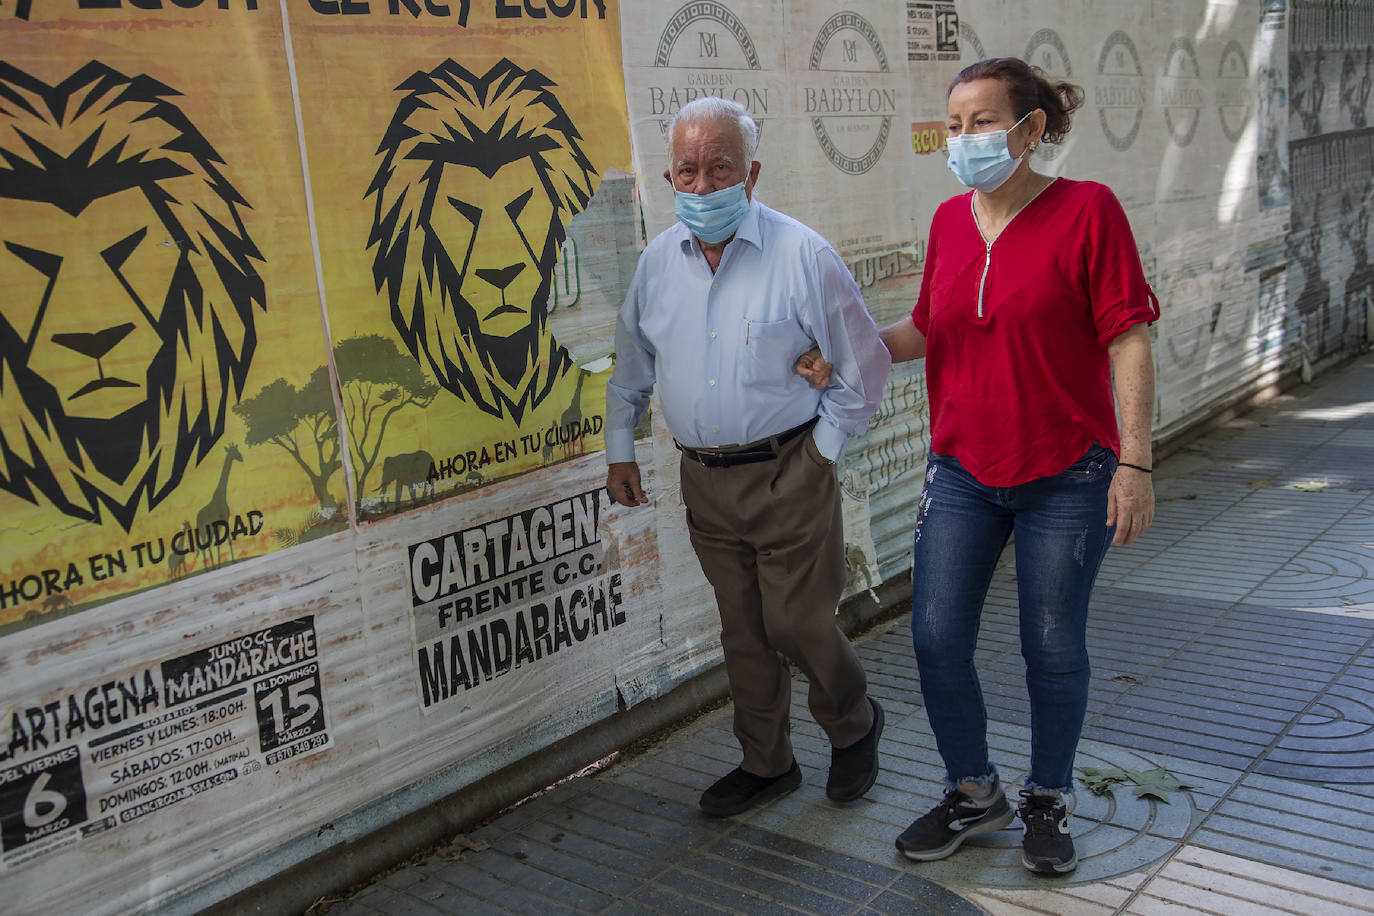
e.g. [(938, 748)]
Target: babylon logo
[(710, 43), (1046, 51), (851, 115), (1191, 283), (1233, 91), (1180, 92), (969, 39), (1120, 92)]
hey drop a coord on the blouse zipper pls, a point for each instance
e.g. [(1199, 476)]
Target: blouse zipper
[(987, 255), (987, 263)]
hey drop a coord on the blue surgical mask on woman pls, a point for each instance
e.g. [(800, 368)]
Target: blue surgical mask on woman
[(713, 217), (983, 160)]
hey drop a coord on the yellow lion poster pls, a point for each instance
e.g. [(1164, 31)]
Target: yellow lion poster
[(155, 279), (451, 148)]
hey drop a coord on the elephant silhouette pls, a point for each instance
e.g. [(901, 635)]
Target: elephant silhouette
[(409, 470)]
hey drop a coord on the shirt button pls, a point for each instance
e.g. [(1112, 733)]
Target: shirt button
[(715, 429), (713, 335), (713, 383), (715, 286)]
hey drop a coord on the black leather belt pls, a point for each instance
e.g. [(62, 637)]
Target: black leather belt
[(744, 454)]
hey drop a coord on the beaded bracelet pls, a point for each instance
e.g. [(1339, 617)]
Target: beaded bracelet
[(1134, 467)]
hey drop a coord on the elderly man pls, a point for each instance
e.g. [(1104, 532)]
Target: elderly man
[(721, 306)]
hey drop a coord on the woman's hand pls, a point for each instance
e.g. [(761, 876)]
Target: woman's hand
[(813, 367), (1130, 504), (1131, 499)]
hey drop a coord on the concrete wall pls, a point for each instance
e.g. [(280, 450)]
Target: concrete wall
[(366, 576)]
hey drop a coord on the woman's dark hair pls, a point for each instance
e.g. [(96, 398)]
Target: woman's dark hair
[(1029, 88)]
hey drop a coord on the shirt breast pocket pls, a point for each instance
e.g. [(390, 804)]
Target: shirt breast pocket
[(772, 348)]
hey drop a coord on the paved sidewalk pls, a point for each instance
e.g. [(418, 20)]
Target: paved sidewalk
[(1233, 646)]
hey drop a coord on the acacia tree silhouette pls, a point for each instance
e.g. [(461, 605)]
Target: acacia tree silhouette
[(378, 381), (300, 421)]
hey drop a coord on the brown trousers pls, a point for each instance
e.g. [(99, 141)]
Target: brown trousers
[(771, 543)]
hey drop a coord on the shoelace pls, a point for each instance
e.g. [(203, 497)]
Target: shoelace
[(944, 812), (1040, 814)]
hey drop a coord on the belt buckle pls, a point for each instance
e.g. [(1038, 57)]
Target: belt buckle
[(698, 455)]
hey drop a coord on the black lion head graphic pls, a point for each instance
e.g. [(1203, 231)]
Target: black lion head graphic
[(127, 292), (477, 180)]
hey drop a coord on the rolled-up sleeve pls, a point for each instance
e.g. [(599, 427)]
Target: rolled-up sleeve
[(1117, 289), (849, 341), (632, 381)]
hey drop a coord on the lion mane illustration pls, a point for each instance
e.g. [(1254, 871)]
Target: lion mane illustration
[(127, 292), (477, 180)]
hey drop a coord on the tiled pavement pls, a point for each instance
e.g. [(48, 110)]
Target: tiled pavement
[(1233, 647)]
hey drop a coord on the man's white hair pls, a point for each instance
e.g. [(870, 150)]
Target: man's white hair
[(713, 108)]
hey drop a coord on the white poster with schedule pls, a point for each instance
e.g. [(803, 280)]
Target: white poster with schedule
[(100, 757)]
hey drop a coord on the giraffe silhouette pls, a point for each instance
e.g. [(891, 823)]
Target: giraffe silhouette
[(217, 509), (573, 415), (177, 563)]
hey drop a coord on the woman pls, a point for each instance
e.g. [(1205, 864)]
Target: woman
[(1033, 297)]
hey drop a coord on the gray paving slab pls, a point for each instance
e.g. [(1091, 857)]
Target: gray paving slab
[(728, 897), (658, 899), (1232, 646), (928, 897)]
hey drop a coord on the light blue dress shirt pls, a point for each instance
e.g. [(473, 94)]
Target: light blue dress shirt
[(722, 346)]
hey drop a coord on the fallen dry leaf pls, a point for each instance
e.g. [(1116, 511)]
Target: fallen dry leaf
[(454, 849)]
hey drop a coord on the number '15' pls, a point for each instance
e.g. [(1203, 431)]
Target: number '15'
[(299, 696)]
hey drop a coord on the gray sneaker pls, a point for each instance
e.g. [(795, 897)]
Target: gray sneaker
[(940, 831), (1046, 848)]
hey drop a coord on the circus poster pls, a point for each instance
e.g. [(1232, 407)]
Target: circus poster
[(469, 167), (166, 407)]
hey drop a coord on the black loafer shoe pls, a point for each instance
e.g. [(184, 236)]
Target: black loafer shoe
[(854, 769), (738, 791)]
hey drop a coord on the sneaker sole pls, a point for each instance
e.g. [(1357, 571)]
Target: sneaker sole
[(942, 852), (878, 720), (1048, 866), (784, 785)]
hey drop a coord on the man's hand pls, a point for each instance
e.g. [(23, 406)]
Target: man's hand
[(622, 482), (1130, 505), (813, 367)]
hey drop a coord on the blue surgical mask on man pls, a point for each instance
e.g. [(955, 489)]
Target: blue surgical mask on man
[(713, 217), (983, 160)]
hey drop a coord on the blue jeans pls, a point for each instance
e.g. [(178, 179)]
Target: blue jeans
[(1061, 537)]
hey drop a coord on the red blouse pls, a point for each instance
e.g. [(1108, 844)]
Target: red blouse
[(1017, 332)]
